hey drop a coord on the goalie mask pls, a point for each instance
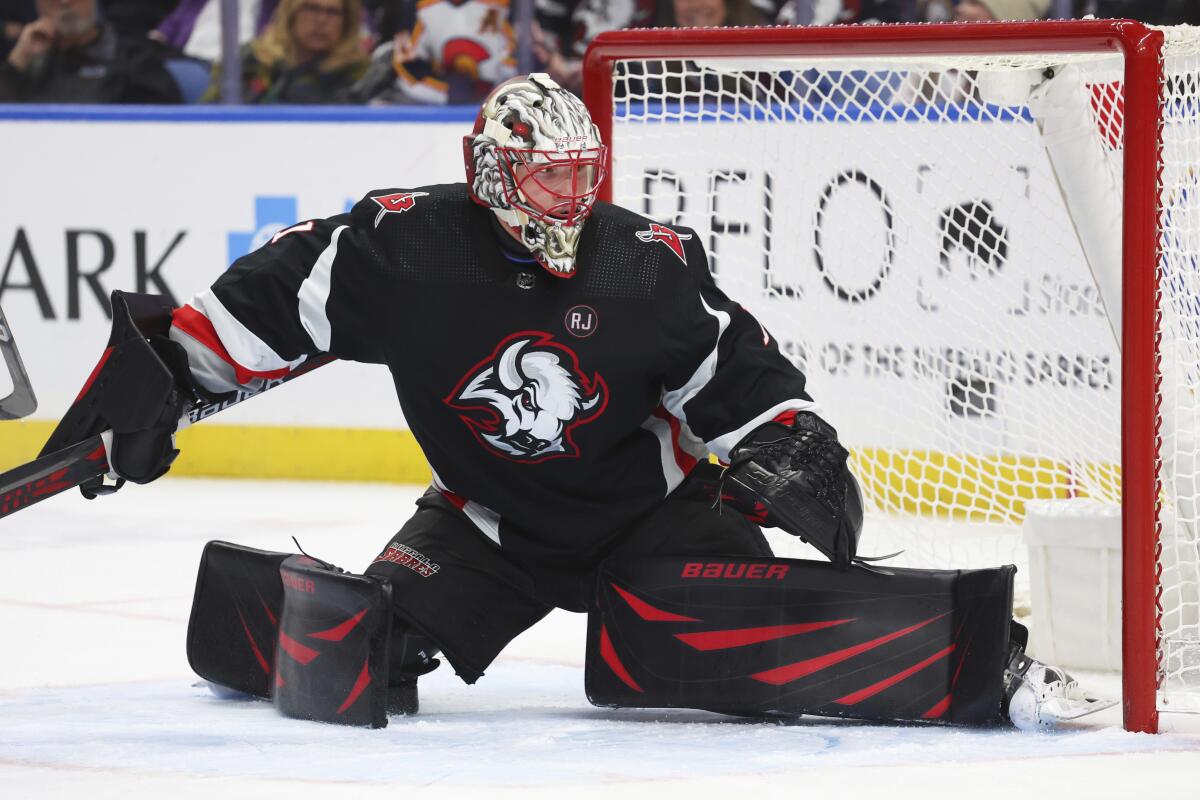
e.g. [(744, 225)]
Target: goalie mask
[(536, 160)]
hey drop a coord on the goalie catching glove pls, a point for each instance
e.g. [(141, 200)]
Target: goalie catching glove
[(792, 475)]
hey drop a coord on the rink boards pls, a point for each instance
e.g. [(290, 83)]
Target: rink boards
[(163, 200)]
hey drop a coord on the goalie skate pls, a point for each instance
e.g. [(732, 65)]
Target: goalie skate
[(1041, 697)]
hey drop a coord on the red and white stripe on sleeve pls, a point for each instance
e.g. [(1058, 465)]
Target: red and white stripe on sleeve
[(224, 354), (679, 449)]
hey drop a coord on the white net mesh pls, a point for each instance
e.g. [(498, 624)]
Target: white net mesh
[(1179, 326), (936, 243)]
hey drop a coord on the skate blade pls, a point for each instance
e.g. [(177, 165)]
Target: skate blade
[(1062, 709)]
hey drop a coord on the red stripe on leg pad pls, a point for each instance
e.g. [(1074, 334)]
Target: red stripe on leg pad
[(258, 656), (338, 632), (790, 672), (876, 688), (614, 663), (363, 680), (938, 710), (740, 637), (303, 654), (649, 612)]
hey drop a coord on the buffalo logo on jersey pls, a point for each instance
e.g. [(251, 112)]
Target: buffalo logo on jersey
[(661, 233), (396, 203), (524, 400)]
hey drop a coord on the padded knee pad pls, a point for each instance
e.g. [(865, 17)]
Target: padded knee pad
[(754, 636)]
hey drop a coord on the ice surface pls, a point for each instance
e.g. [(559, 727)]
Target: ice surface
[(97, 700)]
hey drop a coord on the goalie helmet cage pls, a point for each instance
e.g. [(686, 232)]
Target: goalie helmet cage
[(991, 280)]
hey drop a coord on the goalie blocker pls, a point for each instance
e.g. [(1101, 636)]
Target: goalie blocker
[(749, 636)]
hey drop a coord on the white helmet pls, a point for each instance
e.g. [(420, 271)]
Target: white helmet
[(537, 161)]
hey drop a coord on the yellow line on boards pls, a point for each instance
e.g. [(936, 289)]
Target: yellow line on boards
[(259, 451), (928, 483)]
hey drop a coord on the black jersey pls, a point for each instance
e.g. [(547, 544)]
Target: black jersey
[(553, 411)]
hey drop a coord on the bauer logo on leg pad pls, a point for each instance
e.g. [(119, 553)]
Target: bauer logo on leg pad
[(734, 570), (298, 583)]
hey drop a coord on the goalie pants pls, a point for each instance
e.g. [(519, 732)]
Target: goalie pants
[(472, 598)]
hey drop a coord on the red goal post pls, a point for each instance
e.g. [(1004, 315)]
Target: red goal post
[(1142, 50)]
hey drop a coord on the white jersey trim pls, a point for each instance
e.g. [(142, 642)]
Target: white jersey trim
[(486, 520), (243, 346), (314, 294), (721, 445), (692, 444), (211, 371), (676, 399), (672, 474)]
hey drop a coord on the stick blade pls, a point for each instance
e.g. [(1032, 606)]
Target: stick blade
[(20, 401)]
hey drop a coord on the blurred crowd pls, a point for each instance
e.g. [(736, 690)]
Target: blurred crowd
[(383, 52)]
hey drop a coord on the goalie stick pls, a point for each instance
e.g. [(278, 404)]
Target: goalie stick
[(21, 401), (63, 469)]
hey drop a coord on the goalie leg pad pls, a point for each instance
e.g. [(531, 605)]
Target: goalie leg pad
[(754, 636), (331, 662), (235, 617)]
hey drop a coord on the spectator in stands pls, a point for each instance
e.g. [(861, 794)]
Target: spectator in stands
[(69, 55), (194, 27), (563, 29), (13, 16), (1155, 12), (992, 10), (386, 18), (672, 78), (309, 53), (452, 51), (136, 17), (709, 14), (981, 10), (954, 87), (843, 12)]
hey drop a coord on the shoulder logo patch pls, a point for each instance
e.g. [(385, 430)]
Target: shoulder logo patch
[(396, 203), (661, 233)]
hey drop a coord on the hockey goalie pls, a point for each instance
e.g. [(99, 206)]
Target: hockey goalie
[(568, 367)]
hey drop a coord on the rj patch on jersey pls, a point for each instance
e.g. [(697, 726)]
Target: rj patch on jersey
[(524, 400), (661, 233)]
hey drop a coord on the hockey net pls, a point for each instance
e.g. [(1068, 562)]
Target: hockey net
[(934, 234)]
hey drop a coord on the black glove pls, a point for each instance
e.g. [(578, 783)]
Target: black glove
[(144, 449), (796, 473), (138, 392)]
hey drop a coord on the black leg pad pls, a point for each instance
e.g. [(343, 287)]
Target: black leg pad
[(235, 617), (331, 662), (765, 636)]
